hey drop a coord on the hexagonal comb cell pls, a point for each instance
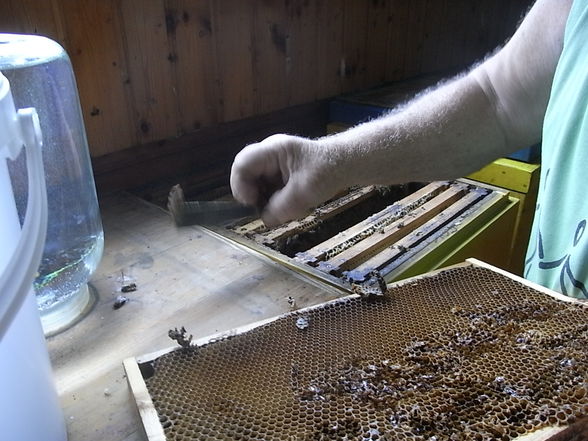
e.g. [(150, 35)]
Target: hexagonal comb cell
[(465, 354)]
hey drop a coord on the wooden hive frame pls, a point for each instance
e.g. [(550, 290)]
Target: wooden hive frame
[(148, 413), (415, 234)]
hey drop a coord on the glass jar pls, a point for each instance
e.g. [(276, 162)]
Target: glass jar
[(41, 76)]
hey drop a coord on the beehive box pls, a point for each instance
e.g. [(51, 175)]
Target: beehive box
[(388, 232), (467, 353), (521, 180)]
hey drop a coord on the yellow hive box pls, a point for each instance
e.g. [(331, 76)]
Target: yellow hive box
[(522, 181)]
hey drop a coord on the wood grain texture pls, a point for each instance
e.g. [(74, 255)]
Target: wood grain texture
[(301, 51), (193, 63), (147, 412), (98, 53), (272, 45), (394, 232), (355, 31), (376, 43), (391, 212), (415, 38), (32, 17), (154, 70), (234, 47), (329, 47), (153, 92)]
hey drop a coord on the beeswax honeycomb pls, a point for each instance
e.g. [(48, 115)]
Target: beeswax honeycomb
[(467, 354)]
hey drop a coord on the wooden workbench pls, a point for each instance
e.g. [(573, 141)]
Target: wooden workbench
[(184, 277)]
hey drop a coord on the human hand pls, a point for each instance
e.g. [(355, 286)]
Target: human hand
[(284, 176)]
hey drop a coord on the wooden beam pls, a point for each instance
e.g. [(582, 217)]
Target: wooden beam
[(149, 418)]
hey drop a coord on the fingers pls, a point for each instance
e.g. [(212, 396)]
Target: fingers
[(282, 175), (251, 173), (290, 202), (261, 169)]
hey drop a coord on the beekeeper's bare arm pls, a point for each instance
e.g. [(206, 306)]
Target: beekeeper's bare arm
[(458, 127)]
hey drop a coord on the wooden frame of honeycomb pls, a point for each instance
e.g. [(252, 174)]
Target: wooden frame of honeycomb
[(465, 353)]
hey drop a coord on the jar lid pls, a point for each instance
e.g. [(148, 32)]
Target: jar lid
[(18, 50)]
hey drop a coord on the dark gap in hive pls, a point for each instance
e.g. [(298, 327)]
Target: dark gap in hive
[(328, 228), (147, 370)]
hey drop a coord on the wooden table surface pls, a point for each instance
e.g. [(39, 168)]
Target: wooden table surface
[(185, 277)]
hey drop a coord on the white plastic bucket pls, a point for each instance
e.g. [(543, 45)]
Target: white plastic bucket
[(29, 406)]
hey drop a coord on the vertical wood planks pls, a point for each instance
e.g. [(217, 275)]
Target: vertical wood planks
[(397, 39), (233, 21), (302, 60), (474, 44), (32, 17), (435, 26), (354, 44), (97, 53), (271, 56), (192, 60), (415, 28), (329, 46), (154, 95), (448, 50), (149, 70), (376, 42)]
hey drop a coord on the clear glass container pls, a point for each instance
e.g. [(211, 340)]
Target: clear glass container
[(41, 76)]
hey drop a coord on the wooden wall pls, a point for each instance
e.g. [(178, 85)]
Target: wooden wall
[(149, 70)]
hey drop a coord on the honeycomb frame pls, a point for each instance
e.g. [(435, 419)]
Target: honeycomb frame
[(387, 242), (354, 391)]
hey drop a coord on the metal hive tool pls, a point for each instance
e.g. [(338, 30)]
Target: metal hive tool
[(468, 353)]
